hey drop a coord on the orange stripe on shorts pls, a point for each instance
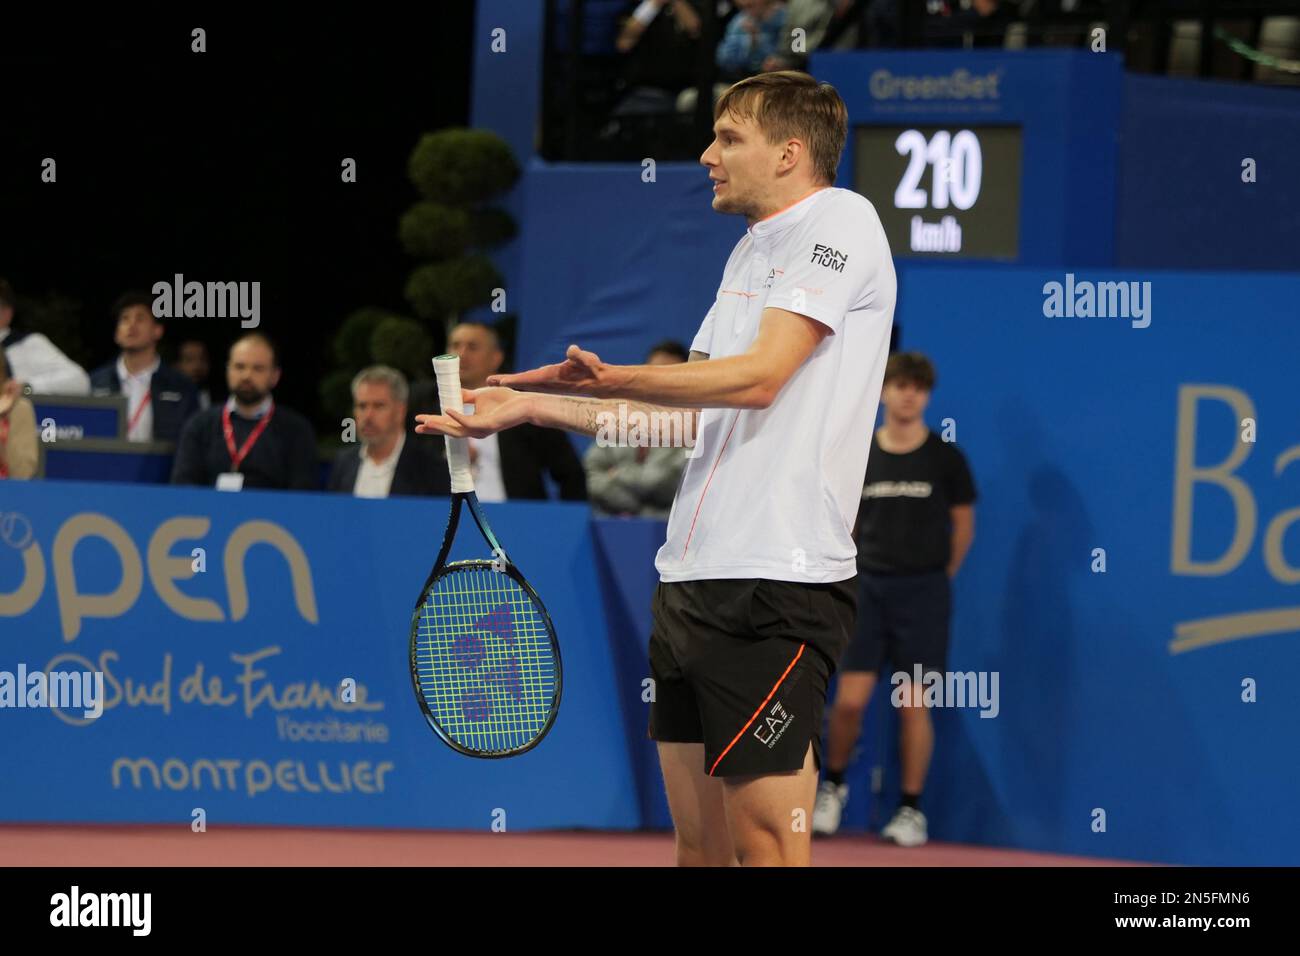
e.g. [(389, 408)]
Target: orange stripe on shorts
[(751, 720)]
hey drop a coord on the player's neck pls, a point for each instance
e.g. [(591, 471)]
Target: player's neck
[(899, 437), (779, 204)]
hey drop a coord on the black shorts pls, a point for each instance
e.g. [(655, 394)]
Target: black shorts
[(902, 622), (741, 665)]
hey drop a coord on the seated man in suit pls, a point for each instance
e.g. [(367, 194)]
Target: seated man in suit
[(159, 399), (387, 463), (510, 464)]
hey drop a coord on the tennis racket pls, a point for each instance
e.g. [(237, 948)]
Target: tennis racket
[(485, 662)]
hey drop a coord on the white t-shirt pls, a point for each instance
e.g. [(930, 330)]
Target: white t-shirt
[(774, 492), (139, 405), (489, 482), (375, 478)]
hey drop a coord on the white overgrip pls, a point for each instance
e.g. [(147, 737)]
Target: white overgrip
[(446, 368)]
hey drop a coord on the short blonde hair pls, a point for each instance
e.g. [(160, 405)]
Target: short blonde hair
[(788, 103)]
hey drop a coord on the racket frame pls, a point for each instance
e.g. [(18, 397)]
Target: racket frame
[(501, 564)]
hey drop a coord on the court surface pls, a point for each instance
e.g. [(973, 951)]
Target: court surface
[(40, 845)]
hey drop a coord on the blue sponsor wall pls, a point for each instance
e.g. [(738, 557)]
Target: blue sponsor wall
[(1122, 691), (220, 666), (1185, 183)]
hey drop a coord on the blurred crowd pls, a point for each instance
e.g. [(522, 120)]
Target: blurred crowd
[(658, 45), (238, 436)]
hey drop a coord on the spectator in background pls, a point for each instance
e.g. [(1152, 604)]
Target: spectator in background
[(637, 481), (754, 34), (19, 452), (986, 19), (915, 525), (193, 363), (659, 40), (753, 37), (249, 441), (34, 360), (386, 463), (511, 464), (813, 17), (159, 399)]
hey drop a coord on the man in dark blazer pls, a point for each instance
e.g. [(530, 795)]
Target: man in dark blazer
[(159, 399), (510, 464), (386, 461)]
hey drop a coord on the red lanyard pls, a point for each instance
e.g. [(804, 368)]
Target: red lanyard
[(4, 442), (135, 419), (237, 457)]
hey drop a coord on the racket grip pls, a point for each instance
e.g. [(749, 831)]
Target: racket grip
[(446, 368)]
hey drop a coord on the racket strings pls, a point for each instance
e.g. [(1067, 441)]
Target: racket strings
[(485, 661)]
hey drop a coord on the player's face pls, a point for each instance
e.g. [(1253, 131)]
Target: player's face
[(137, 329), (251, 372), (904, 400), (742, 165), (479, 356), (378, 415)]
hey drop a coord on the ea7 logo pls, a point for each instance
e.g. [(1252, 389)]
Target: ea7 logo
[(831, 258), (772, 724)]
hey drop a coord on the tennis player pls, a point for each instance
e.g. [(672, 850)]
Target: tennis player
[(756, 596)]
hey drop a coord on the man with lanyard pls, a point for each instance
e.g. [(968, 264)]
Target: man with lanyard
[(249, 442), (159, 399)]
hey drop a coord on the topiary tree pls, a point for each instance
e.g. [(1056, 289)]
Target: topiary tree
[(372, 336), (458, 172), (404, 345)]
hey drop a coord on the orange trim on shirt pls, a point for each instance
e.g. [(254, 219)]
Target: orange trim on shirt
[(700, 503), (795, 203), (751, 720)]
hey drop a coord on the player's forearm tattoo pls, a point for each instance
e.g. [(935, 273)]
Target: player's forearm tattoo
[(587, 415)]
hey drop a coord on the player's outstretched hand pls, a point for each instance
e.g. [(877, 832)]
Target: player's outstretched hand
[(495, 409), (581, 373)]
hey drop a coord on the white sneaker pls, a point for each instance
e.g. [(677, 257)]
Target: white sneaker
[(907, 828), (831, 799)]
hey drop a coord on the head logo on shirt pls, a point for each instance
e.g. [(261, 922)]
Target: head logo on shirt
[(832, 259)]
